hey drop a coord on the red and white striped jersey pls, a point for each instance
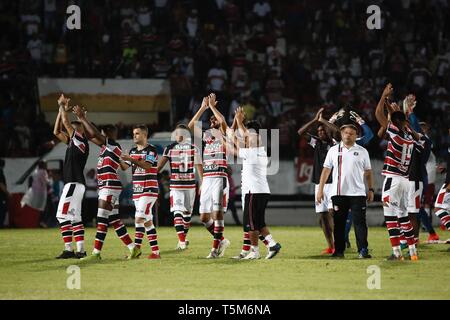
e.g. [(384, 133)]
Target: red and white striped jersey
[(108, 165), (182, 159), (145, 181), (214, 156), (399, 152)]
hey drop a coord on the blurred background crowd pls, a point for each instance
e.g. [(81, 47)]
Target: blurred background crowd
[(280, 60)]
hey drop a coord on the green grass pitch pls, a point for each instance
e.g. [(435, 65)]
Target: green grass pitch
[(28, 269)]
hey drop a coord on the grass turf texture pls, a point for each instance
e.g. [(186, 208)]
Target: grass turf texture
[(28, 269)]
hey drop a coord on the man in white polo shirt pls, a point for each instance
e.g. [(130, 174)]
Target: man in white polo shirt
[(351, 164)]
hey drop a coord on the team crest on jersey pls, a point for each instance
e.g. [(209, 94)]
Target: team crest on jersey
[(355, 153), (150, 157)]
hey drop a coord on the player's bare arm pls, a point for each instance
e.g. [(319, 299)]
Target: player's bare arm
[(331, 128), (198, 114), (64, 108), (57, 130), (162, 162), (213, 106), (92, 132), (379, 111), (140, 163), (309, 124)]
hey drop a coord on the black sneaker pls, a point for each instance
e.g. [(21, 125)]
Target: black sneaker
[(364, 254), (80, 255), (66, 255), (393, 257), (273, 251), (337, 255)]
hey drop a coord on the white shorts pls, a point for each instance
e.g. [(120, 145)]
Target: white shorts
[(443, 199), (214, 195), (182, 200), (144, 207), (395, 196), (109, 195), (414, 196), (69, 206), (326, 203)]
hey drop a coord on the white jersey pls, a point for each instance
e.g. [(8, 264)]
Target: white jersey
[(431, 168), (254, 170)]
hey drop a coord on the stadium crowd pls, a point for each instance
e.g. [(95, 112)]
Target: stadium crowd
[(280, 60)]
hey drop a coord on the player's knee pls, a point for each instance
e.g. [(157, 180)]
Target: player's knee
[(204, 217), (105, 205), (148, 223)]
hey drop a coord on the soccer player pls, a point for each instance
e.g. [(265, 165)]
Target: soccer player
[(109, 184), (215, 187), (69, 207), (143, 159), (255, 187), (442, 204), (321, 144), (182, 156), (417, 175), (401, 141)]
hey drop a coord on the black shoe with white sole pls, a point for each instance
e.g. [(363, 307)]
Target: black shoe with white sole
[(66, 255), (273, 251)]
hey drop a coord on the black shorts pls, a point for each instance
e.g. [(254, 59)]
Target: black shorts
[(255, 210)]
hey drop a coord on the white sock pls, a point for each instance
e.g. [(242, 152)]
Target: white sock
[(80, 246), (96, 251), (270, 240), (255, 249), (68, 246), (412, 250), (130, 246), (397, 251)]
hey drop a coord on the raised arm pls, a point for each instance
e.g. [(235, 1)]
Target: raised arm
[(199, 113), (239, 118), (62, 136), (330, 127), (379, 111), (92, 132), (64, 108), (217, 114), (308, 125)]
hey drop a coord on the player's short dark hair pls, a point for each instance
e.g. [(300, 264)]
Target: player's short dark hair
[(142, 127), (254, 124), (109, 128), (398, 116), (181, 126)]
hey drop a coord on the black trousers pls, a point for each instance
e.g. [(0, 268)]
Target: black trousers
[(341, 205)]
